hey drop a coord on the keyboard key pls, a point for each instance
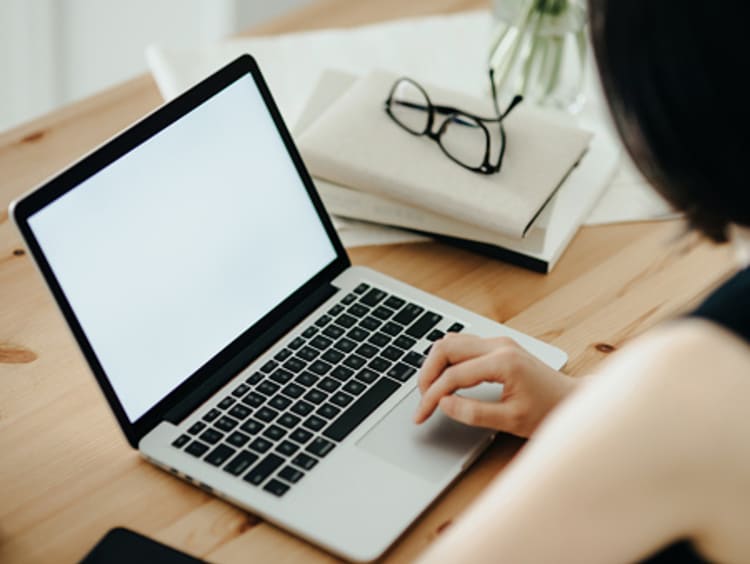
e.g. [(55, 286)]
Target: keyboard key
[(357, 310), (282, 355), (328, 411), (314, 423), (281, 376), (269, 366), (240, 411), (408, 314), (211, 436), (405, 342), (240, 463), (302, 408), (294, 365), (320, 367), (266, 414), (291, 474), (308, 353), (328, 384), (383, 312), (280, 402), (276, 488), (361, 289), (333, 331), (345, 320), (342, 373), (304, 461), (316, 396), (367, 350), (423, 324), (427, 350), (379, 364), (367, 376), (355, 361), (226, 423), (335, 310), (254, 378), (226, 403), (320, 447), (260, 445), (287, 448), (402, 372), (373, 297), (211, 415), (354, 387), (361, 409), (274, 432), (392, 328), (220, 455), (288, 420), (196, 449), (196, 428), (394, 303), (307, 379), (370, 323), (345, 345), (253, 399), (434, 335), (252, 426), (237, 439), (333, 356), (265, 468), (414, 358), (392, 353), (309, 332), (358, 334), (380, 339), (323, 320), (455, 328), (301, 436), (293, 390), (240, 390), (341, 399), (180, 441), (348, 299), (268, 388), (296, 343)]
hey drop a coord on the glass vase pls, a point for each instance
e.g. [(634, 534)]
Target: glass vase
[(539, 49)]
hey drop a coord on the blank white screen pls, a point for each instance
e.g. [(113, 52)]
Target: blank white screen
[(175, 249)]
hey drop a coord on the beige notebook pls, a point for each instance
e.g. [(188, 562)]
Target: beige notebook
[(355, 143)]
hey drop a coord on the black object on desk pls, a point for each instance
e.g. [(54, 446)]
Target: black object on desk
[(121, 546)]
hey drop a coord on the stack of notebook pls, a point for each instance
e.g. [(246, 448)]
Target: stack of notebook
[(368, 168)]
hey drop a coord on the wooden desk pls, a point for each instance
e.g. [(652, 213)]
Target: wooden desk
[(66, 473)]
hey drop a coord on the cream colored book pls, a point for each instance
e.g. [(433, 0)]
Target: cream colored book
[(545, 241), (354, 143)]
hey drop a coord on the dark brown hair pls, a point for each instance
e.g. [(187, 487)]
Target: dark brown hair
[(673, 74)]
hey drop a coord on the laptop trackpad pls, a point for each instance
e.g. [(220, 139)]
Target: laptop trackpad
[(432, 450)]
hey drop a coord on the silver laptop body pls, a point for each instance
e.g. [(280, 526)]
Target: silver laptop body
[(236, 345)]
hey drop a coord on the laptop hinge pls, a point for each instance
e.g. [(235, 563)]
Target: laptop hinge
[(196, 397)]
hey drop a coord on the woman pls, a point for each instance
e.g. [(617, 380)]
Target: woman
[(650, 458)]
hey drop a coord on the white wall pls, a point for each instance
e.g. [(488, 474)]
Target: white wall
[(55, 51)]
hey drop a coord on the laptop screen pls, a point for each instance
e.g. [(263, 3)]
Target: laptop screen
[(175, 249)]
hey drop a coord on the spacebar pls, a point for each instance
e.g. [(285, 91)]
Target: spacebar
[(360, 409)]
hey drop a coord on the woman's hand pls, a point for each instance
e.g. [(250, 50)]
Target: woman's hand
[(531, 389)]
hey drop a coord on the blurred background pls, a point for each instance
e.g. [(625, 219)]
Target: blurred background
[(53, 52)]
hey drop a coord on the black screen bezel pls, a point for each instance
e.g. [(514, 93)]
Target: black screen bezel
[(123, 143)]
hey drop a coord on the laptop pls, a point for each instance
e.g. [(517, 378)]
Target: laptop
[(236, 345)]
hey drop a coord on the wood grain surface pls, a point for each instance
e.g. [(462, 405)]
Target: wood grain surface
[(66, 473)]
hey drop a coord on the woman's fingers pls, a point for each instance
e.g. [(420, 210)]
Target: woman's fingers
[(492, 415), (451, 349), (487, 367)]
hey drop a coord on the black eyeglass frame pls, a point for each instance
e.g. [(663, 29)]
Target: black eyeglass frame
[(451, 114)]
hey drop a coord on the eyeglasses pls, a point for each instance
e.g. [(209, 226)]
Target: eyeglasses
[(474, 142)]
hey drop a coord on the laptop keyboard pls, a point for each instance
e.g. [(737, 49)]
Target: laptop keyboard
[(279, 422)]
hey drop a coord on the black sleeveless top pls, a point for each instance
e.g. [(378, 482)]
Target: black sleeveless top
[(729, 306)]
